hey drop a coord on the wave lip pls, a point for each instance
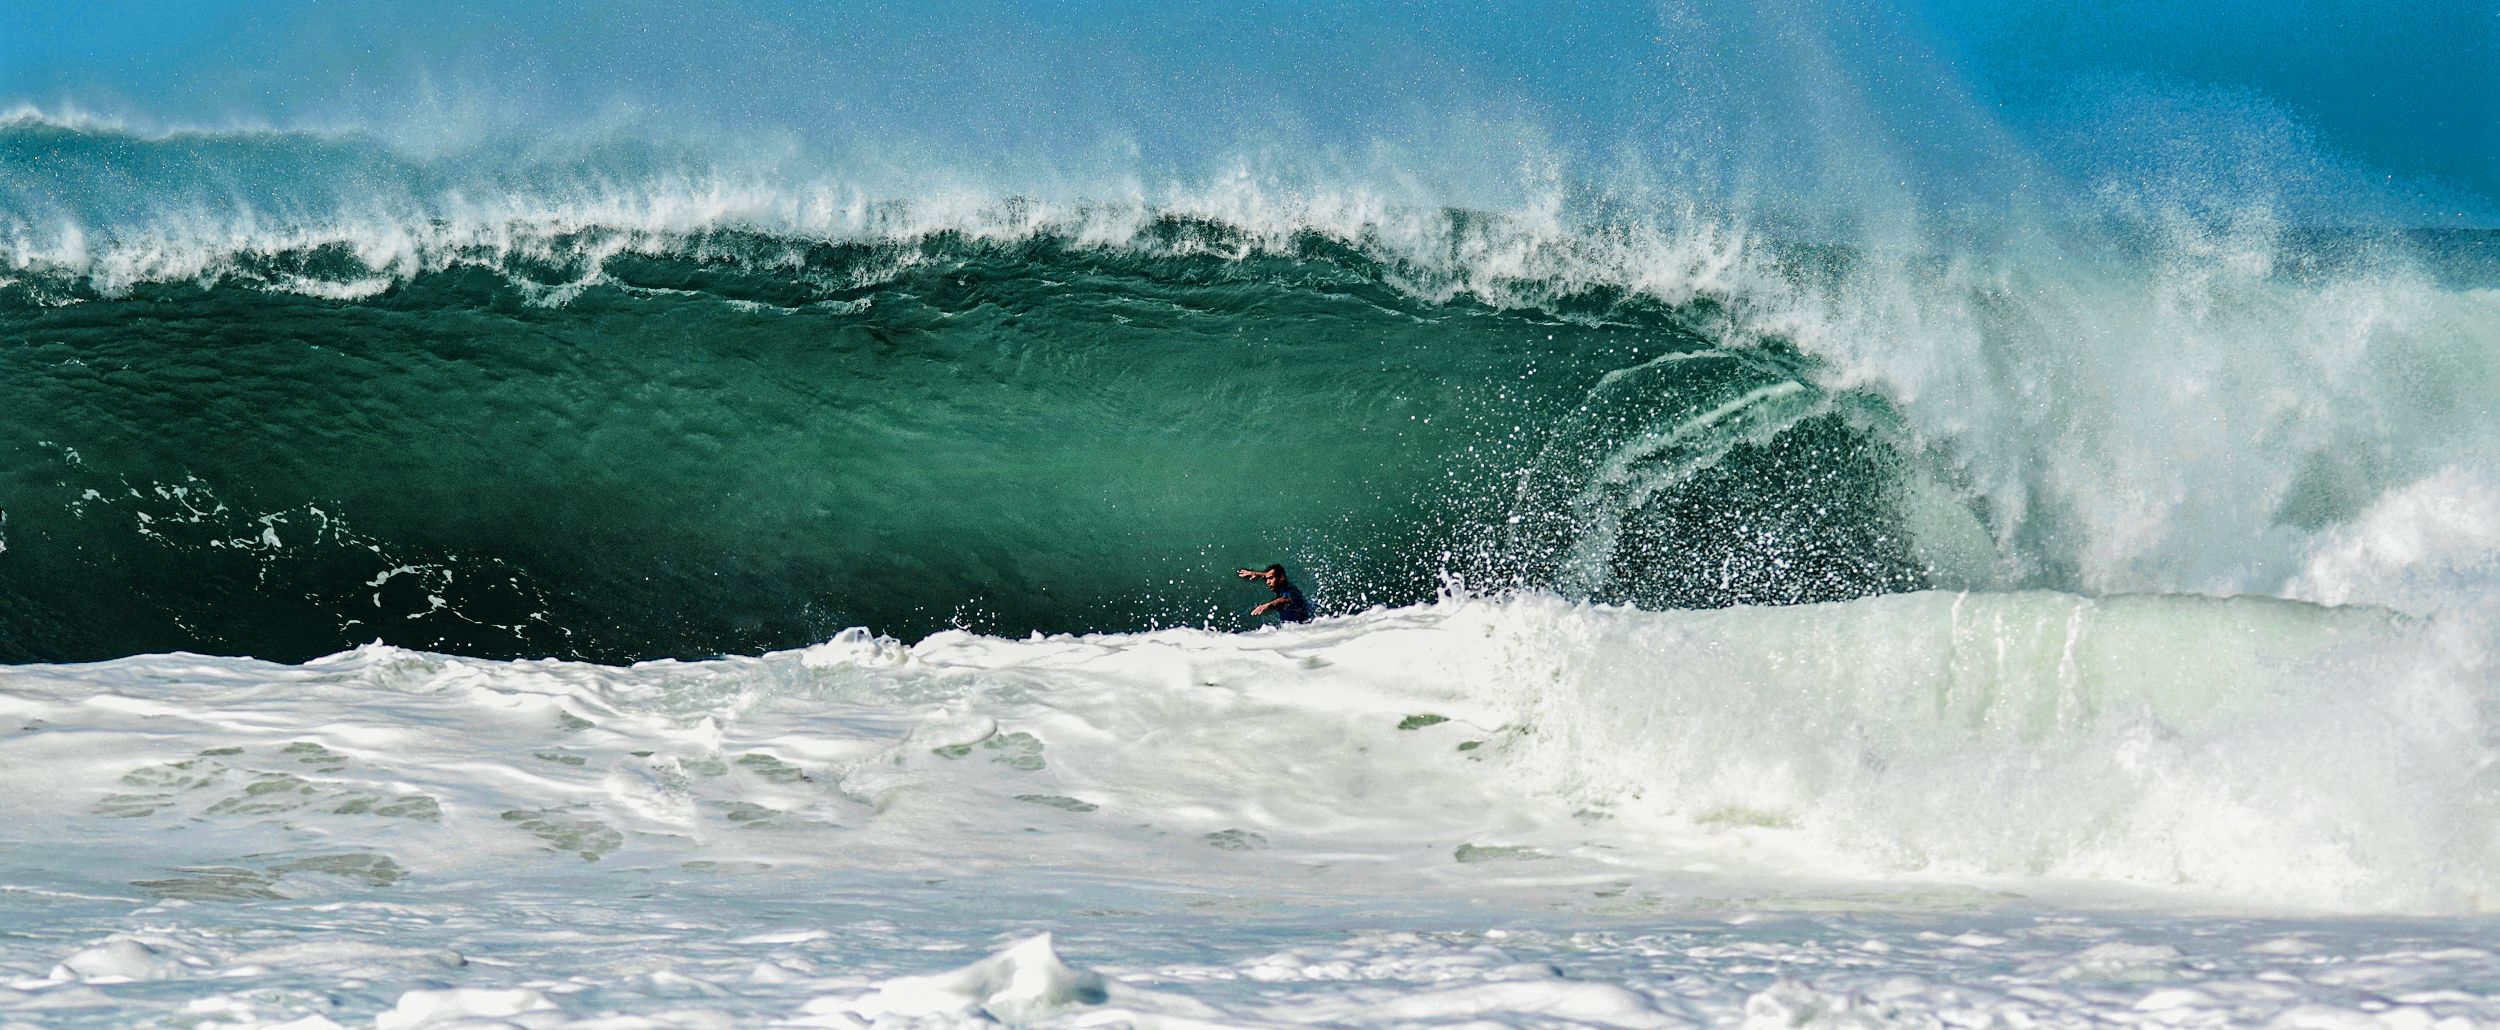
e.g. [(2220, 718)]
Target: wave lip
[(111, 208)]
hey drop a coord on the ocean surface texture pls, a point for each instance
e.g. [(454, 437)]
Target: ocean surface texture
[(727, 517)]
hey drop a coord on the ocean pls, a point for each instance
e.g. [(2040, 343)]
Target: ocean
[(629, 577)]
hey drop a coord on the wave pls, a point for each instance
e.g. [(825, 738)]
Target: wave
[(1610, 391), (1932, 476)]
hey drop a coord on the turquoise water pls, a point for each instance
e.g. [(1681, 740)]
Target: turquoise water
[(279, 394), (742, 442)]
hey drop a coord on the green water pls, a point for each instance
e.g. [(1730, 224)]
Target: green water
[(704, 453)]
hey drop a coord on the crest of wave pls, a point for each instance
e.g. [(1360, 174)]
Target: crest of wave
[(392, 217)]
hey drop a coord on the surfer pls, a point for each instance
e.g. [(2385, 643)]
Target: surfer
[(1289, 603)]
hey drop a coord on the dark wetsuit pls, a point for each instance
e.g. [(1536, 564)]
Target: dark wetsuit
[(1296, 608)]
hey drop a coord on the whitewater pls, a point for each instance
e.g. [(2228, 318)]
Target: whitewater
[(1523, 810), (726, 516)]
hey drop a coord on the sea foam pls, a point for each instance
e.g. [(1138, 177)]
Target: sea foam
[(414, 838), (2248, 751)]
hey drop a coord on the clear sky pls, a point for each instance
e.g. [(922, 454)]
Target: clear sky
[(2402, 93)]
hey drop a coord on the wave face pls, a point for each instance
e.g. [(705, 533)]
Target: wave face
[(281, 393), (577, 434)]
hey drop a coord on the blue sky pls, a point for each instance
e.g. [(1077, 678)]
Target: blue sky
[(2403, 94)]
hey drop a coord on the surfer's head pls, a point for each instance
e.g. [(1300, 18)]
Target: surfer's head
[(1273, 576)]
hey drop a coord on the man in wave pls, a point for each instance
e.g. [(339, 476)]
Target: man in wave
[(1289, 603)]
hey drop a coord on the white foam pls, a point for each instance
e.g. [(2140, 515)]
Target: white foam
[(2252, 751), (460, 1007), (2432, 547), (1024, 983), (119, 960)]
